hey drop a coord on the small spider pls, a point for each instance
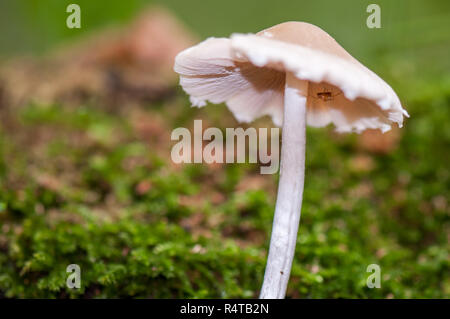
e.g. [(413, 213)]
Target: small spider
[(325, 96)]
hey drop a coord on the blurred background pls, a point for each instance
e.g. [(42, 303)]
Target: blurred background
[(86, 176)]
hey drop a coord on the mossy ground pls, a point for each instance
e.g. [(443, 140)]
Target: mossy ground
[(97, 188)]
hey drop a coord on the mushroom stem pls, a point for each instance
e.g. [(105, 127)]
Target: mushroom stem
[(290, 191)]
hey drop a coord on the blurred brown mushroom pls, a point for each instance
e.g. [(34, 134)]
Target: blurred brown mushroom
[(115, 66)]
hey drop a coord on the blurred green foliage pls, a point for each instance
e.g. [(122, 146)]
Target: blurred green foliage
[(410, 29), (80, 186)]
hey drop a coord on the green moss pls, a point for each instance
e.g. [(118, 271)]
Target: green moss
[(147, 243)]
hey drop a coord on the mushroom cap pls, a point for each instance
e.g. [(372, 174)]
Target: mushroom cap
[(248, 72)]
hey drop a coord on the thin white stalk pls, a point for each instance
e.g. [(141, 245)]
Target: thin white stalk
[(290, 191)]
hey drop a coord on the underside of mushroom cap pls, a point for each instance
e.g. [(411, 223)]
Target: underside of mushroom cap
[(248, 72), (209, 72)]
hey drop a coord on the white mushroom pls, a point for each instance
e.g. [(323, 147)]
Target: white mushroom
[(298, 74)]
